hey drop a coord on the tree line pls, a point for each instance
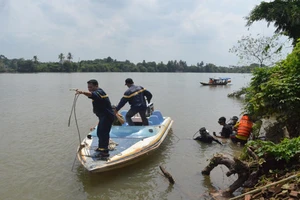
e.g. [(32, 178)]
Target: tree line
[(112, 65)]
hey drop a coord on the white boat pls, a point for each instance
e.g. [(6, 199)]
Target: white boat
[(129, 143)]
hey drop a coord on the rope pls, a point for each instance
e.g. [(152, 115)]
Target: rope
[(195, 134), (74, 110)]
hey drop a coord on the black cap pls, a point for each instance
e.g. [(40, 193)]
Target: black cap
[(128, 81), (222, 119), (203, 129), (235, 118)]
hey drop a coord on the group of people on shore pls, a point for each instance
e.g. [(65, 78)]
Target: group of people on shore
[(237, 131), (135, 95)]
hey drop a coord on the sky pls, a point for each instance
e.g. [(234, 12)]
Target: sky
[(134, 30)]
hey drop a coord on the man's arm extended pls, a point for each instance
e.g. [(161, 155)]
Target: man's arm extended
[(88, 94)]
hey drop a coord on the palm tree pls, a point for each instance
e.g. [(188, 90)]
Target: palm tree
[(70, 57), (35, 59), (61, 57)]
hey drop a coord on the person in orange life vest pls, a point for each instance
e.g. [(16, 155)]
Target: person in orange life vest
[(244, 128)]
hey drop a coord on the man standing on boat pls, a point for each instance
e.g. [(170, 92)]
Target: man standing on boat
[(103, 109), (135, 95)]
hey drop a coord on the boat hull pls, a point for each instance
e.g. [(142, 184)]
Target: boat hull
[(213, 83), (130, 149)]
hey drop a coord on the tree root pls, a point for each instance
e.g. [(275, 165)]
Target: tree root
[(235, 166)]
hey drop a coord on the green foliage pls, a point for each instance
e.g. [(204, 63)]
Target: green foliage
[(276, 90), (284, 14), (264, 50), (256, 127), (286, 150), (61, 57), (69, 57)]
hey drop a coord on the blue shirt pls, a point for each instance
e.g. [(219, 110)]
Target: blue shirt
[(101, 104), (135, 96)]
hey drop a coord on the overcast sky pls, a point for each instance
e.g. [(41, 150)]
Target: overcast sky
[(135, 30)]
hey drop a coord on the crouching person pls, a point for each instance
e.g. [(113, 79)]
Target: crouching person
[(206, 137), (244, 130)]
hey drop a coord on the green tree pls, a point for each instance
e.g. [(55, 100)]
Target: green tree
[(161, 67), (26, 66), (61, 57), (285, 15), (276, 91), (2, 68), (67, 67), (264, 50), (35, 59), (69, 57)]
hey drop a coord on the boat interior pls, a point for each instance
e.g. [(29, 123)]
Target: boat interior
[(125, 136)]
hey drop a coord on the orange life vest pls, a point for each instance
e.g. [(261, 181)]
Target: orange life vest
[(245, 126)]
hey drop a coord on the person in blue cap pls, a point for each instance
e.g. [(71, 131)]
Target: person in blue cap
[(135, 96)]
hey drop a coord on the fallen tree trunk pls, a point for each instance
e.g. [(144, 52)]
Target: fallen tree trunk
[(235, 166)]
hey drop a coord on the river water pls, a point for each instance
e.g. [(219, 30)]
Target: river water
[(37, 148)]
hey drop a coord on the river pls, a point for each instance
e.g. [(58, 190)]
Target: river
[(37, 148)]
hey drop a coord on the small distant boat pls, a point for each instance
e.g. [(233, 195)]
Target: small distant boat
[(128, 143), (217, 81)]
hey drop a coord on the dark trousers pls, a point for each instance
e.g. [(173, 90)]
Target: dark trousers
[(103, 130), (235, 140), (132, 112)]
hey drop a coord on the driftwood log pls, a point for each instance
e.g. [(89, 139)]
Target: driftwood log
[(167, 175), (235, 166)]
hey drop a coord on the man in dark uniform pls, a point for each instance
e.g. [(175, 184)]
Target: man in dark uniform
[(205, 137), (103, 110), (226, 130), (233, 122), (135, 95)]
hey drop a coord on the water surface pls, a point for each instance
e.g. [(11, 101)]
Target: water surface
[(37, 148)]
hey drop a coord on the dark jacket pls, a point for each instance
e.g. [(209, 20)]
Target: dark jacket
[(207, 139), (135, 95), (226, 131), (101, 104)]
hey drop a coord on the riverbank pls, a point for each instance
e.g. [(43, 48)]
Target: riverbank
[(265, 170)]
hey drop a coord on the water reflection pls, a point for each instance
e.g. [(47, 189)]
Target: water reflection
[(206, 181), (216, 87)]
